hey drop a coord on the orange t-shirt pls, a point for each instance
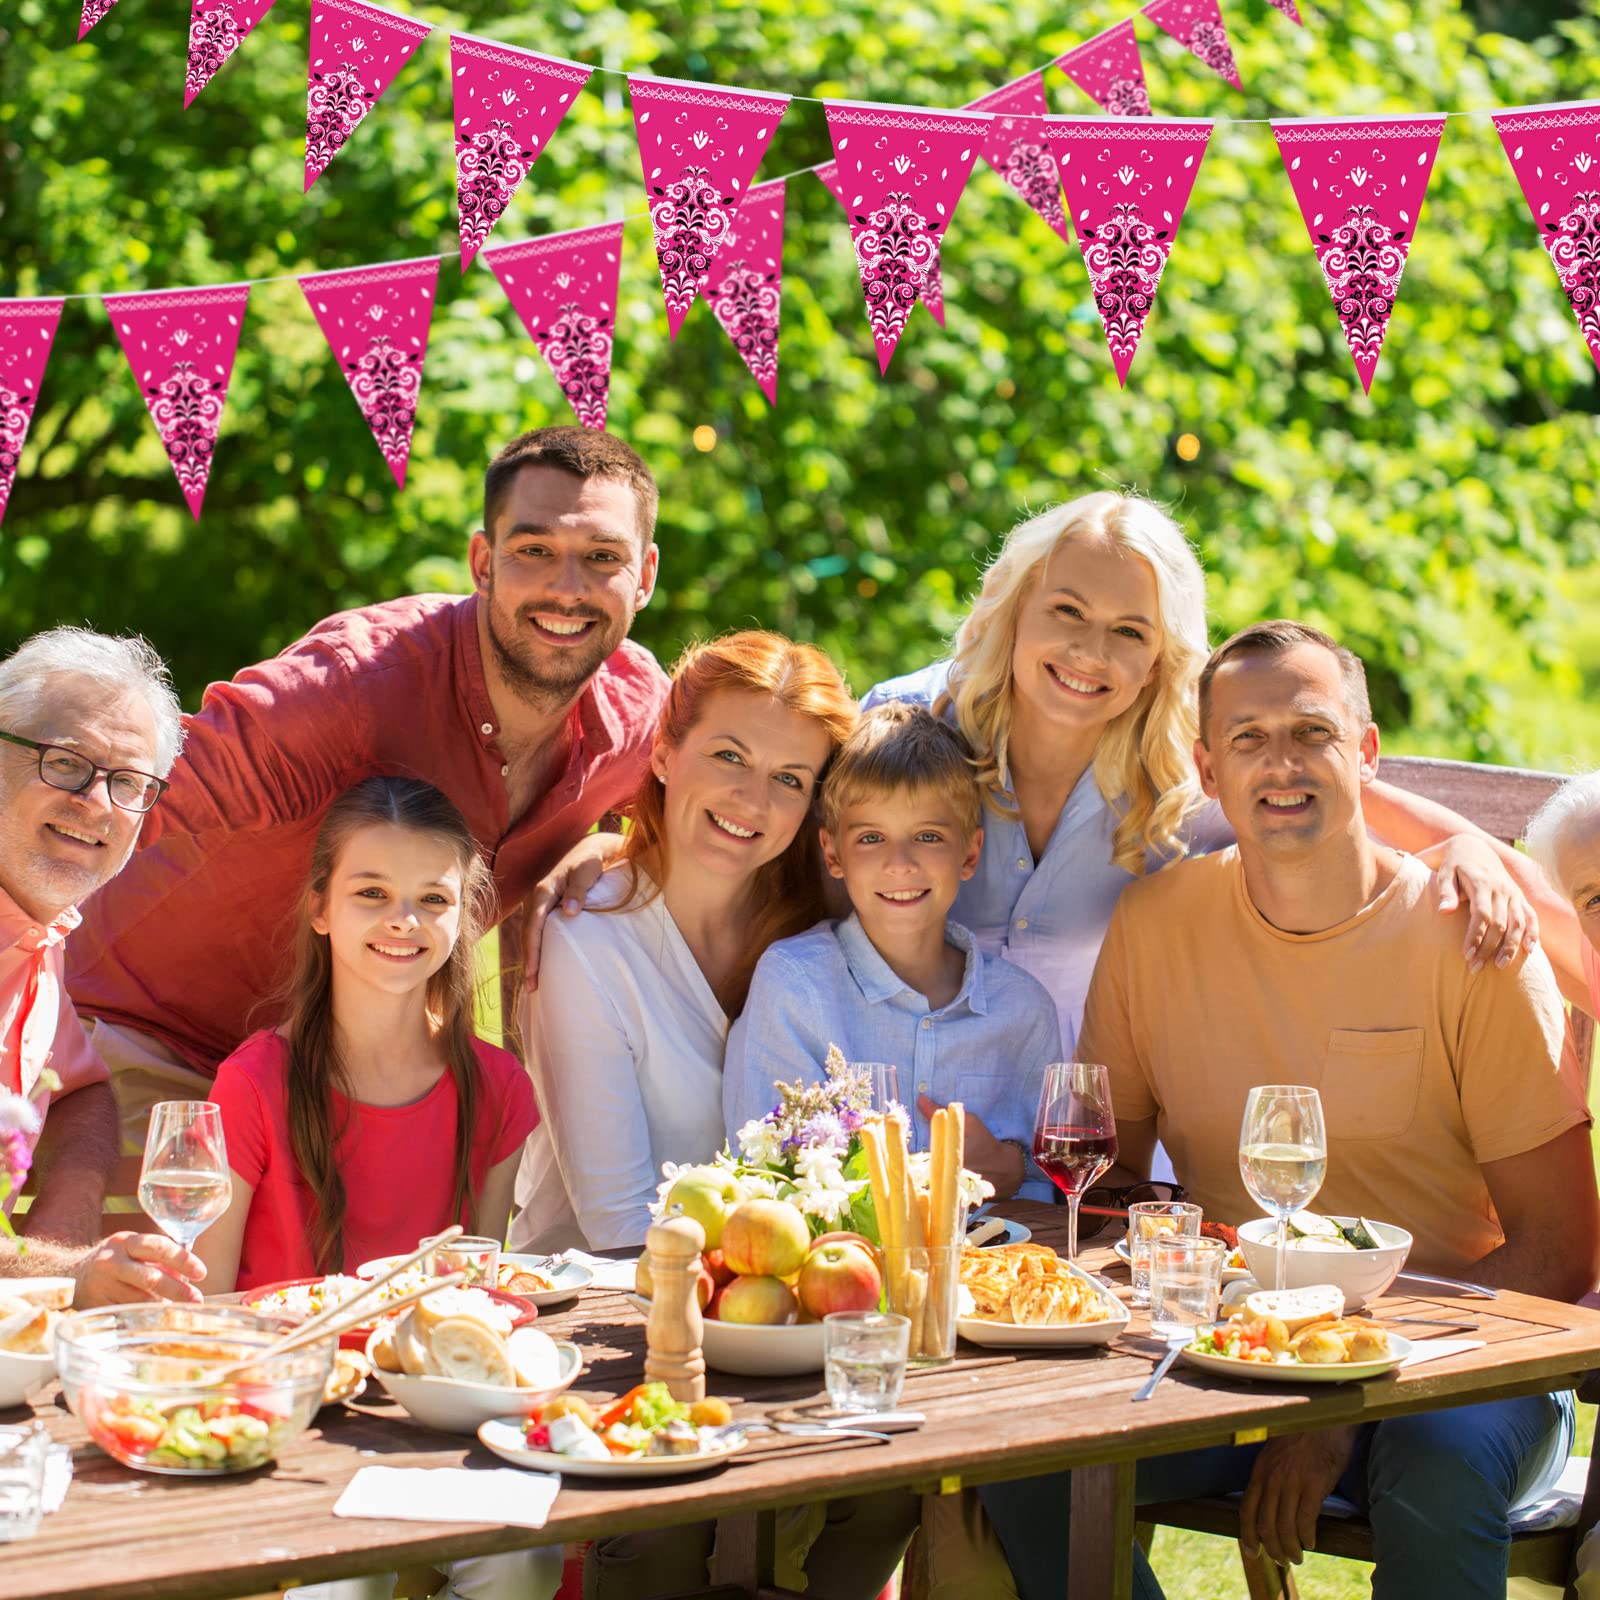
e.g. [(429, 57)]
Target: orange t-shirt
[(1426, 1070)]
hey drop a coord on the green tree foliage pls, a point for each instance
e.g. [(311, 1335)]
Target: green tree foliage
[(1430, 526)]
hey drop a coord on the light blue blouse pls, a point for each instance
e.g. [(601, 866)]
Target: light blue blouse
[(1049, 916)]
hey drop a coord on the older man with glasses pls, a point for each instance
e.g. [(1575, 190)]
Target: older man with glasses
[(89, 728)]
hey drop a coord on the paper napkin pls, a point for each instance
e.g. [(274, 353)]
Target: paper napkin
[(501, 1495), (1432, 1349), (608, 1274)]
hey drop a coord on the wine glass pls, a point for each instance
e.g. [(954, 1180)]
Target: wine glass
[(1074, 1134), (1283, 1154), (185, 1185)]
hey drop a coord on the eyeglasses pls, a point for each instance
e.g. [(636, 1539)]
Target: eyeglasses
[(1104, 1205), (65, 769)]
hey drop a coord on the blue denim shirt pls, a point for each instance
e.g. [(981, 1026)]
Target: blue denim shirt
[(988, 1048), (1049, 916)]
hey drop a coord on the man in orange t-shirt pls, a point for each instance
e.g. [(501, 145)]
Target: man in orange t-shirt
[(1308, 953)]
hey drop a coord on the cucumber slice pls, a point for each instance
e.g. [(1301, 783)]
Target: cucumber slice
[(1308, 1225), (1363, 1235)]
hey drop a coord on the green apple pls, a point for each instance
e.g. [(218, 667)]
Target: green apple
[(705, 1194)]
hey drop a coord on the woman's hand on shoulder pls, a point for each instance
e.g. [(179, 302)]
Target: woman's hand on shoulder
[(1501, 921), (568, 886)]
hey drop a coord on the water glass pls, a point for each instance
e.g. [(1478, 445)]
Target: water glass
[(478, 1260), (1147, 1221), (864, 1358), (1185, 1283), (23, 1454), (923, 1285)]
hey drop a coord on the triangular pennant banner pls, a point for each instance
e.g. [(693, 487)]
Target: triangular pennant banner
[(699, 147), (931, 293), (356, 52), (1127, 184), (1289, 9), (1360, 186), (564, 287), (1555, 153), (376, 320), (746, 283), (1110, 70), (216, 29), (1197, 25), (93, 11), (26, 330), (180, 344), (900, 172), (1016, 147), (507, 103)]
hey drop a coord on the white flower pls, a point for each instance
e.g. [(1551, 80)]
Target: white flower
[(19, 1116), (761, 1143)]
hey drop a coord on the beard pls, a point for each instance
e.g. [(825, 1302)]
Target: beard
[(547, 676)]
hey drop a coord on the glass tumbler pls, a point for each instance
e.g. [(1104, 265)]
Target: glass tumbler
[(1185, 1284), (1151, 1219), (478, 1260), (864, 1358), (23, 1454)]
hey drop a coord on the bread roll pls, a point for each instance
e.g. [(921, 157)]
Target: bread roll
[(412, 1352), (471, 1353), (384, 1353), (24, 1328), (471, 1305)]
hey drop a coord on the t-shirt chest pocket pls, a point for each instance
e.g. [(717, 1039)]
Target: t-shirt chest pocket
[(1371, 1081)]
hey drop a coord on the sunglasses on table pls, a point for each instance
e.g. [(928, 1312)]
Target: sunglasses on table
[(73, 772), (1104, 1205)]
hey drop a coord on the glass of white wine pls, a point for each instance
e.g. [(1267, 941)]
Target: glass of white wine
[(1283, 1154), (184, 1185)]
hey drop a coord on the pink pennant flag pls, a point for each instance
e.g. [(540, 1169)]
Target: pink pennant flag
[(375, 320), (699, 147), (1289, 9), (93, 11), (564, 286), (1555, 153), (1197, 25), (216, 29), (900, 172), (356, 51), (1016, 147), (27, 328), (1360, 186), (508, 103), (180, 344), (1127, 184), (1110, 70), (931, 293), (746, 282)]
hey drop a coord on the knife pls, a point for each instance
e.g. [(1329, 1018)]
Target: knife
[(1476, 1289)]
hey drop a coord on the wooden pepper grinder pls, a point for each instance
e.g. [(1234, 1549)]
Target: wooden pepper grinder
[(673, 1336)]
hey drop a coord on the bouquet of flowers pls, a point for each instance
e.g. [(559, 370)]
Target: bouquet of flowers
[(808, 1150), (20, 1122)]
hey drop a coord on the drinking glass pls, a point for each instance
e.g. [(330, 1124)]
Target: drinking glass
[(477, 1260), (1283, 1154), (1074, 1134), (1147, 1221), (24, 1453), (885, 1084), (923, 1284), (184, 1184), (1185, 1283), (864, 1358)]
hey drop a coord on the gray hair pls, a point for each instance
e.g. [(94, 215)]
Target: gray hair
[(1576, 798), (120, 666)]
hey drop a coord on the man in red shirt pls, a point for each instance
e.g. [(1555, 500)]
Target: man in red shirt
[(524, 702)]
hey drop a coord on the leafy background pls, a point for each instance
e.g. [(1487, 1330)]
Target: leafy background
[(1446, 528)]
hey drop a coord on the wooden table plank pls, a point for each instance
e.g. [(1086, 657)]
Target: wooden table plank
[(991, 1415)]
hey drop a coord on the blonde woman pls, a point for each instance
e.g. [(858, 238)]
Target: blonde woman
[(1073, 677)]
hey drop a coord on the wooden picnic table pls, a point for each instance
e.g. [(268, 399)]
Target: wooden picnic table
[(991, 1414)]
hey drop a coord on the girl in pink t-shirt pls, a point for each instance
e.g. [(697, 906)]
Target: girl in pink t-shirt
[(371, 1117)]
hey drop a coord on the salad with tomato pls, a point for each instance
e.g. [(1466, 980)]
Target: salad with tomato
[(222, 1435), (646, 1421)]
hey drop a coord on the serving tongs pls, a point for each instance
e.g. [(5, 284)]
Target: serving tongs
[(347, 1315)]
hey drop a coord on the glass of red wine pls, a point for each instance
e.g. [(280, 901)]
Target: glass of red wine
[(1074, 1134)]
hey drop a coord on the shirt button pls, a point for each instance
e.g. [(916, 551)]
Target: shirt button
[(488, 727), (922, 1088), (1022, 863), (1022, 923), (505, 772), (927, 1022)]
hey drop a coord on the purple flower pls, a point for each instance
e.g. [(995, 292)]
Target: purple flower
[(16, 1156), (826, 1130)]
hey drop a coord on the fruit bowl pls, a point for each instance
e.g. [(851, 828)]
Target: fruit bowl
[(752, 1350), (142, 1379), (1361, 1275)]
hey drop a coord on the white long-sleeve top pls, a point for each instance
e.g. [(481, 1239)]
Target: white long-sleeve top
[(624, 1039)]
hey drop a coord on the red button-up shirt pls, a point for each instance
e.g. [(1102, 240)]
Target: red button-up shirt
[(38, 1027), (195, 931)]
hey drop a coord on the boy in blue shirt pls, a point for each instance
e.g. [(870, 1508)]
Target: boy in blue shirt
[(896, 981)]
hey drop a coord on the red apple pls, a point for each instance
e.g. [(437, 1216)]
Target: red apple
[(765, 1300), (705, 1286), (712, 1310), (839, 1277), (765, 1239), (852, 1238), (713, 1262)]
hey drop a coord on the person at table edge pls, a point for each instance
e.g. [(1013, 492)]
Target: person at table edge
[(1309, 954), (524, 702), (90, 728)]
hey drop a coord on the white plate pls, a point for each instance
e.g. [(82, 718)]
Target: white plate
[(1016, 1232), (1301, 1371), (754, 1350), (1003, 1335), (569, 1277), (503, 1435), (1229, 1274)]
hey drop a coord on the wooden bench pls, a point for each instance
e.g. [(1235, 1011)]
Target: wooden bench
[(1499, 800)]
